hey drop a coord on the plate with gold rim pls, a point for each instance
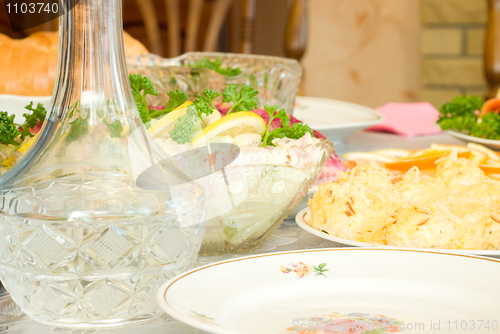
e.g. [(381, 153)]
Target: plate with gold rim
[(299, 219), (338, 290)]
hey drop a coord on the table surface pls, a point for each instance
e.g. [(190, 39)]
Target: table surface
[(289, 236)]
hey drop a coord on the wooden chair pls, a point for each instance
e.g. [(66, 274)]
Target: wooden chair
[(220, 9), (295, 39), (297, 29), (296, 32)]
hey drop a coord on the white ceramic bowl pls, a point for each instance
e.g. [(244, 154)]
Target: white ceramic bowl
[(14, 104)]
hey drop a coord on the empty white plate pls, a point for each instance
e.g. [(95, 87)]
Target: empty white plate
[(342, 290), (342, 118)]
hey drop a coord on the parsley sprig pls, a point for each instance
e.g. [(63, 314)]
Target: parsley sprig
[(142, 86), (216, 65), (10, 131), (243, 99), (177, 97), (296, 131), (204, 103), (462, 114)]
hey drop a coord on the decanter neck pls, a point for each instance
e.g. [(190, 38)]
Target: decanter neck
[(92, 70), (93, 121)]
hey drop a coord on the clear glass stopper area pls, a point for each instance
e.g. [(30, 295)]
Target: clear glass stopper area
[(80, 244)]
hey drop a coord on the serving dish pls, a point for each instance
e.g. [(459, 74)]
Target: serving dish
[(299, 218), (289, 292), (339, 118), (275, 78), (491, 143), (14, 104), (251, 199)]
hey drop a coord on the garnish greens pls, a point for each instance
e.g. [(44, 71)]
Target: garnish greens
[(115, 128), (177, 97), (244, 99), (215, 65), (489, 127), (462, 114), (139, 84), (142, 86), (296, 131), (204, 103), (78, 128), (37, 115), (9, 130), (183, 129)]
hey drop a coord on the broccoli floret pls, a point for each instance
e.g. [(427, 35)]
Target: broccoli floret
[(182, 131)]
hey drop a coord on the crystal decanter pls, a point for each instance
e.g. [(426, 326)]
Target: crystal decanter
[(81, 244)]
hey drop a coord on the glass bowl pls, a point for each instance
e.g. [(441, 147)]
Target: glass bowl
[(166, 78), (250, 199), (276, 79)]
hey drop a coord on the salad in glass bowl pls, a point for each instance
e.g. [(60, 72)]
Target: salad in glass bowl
[(275, 159), (268, 161)]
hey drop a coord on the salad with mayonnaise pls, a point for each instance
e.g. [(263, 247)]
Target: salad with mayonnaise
[(279, 158)]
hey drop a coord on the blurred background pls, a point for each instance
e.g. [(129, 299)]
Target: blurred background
[(368, 52)]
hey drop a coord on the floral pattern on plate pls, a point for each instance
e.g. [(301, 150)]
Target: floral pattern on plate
[(352, 323), (303, 269)]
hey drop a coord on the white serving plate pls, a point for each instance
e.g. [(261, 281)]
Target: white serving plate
[(285, 292), (14, 104), (302, 223), (494, 144), (343, 118)]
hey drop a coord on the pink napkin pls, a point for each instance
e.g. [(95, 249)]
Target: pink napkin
[(408, 119)]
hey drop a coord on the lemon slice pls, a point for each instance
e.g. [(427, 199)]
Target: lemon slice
[(167, 121), (26, 146), (231, 125)]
